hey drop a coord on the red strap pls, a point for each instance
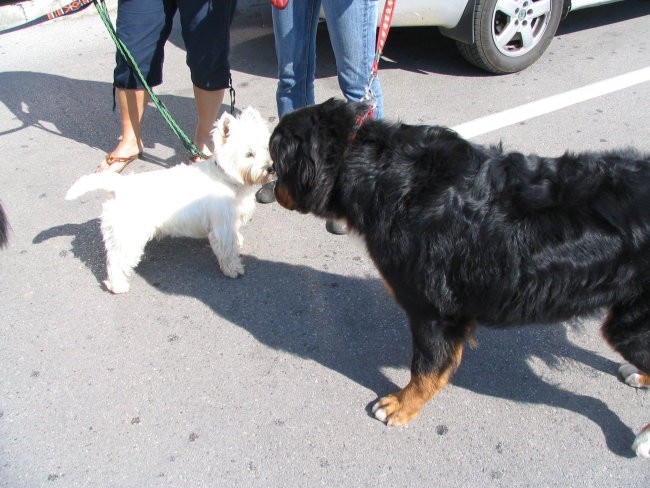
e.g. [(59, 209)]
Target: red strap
[(280, 4), (384, 26)]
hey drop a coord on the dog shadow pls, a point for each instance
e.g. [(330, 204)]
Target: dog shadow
[(87, 244), (349, 325)]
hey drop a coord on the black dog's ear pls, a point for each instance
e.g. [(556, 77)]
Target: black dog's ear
[(292, 155)]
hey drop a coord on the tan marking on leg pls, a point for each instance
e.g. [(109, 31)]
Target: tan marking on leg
[(283, 197), (644, 380), (405, 405), (389, 289)]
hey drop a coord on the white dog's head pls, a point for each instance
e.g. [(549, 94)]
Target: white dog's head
[(242, 147)]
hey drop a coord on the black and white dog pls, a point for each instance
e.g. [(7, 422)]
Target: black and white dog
[(464, 234)]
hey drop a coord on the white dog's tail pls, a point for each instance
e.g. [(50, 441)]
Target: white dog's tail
[(106, 180)]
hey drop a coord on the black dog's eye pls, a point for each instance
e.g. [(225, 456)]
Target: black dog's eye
[(271, 170)]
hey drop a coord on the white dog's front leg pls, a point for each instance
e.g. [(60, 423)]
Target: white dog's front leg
[(224, 245), (244, 213)]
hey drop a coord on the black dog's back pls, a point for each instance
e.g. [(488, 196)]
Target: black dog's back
[(463, 231), (481, 228)]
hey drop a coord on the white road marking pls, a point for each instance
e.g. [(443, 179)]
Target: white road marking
[(527, 111)]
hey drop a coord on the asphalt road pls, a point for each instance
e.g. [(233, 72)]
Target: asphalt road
[(196, 380)]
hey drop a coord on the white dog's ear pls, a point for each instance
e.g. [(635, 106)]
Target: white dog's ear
[(223, 125), (251, 114)]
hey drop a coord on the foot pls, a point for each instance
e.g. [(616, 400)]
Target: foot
[(633, 377), (197, 158), (232, 268), (336, 227), (119, 158), (397, 409), (266, 194), (642, 443), (117, 288), (116, 164)]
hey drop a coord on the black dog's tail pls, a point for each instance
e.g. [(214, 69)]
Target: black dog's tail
[(4, 237)]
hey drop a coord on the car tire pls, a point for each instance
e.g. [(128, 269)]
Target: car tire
[(510, 35)]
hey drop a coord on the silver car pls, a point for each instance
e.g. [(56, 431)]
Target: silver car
[(500, 36)]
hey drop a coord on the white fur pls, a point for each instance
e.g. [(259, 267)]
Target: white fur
[(379, 412), (211, 198), (631, 375), (641, 444)]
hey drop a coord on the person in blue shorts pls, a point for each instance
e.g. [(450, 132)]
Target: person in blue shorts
[(144, 27)]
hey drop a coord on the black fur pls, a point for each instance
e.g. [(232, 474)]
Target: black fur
[(464, 233)]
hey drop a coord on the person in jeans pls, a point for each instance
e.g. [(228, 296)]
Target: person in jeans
[(351, 25), (144, 27)]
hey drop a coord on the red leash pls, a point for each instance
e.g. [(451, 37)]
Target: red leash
[(71, 8), (382, 35)]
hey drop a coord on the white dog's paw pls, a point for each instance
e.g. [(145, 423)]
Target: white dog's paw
[(642, 443), (117, 287), (232, 269), (632, 376)]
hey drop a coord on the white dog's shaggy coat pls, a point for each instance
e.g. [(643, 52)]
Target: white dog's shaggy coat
[(212, 199)]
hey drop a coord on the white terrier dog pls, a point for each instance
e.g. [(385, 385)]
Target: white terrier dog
[(211, 198)]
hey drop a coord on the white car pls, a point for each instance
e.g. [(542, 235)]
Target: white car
[(501, 36)]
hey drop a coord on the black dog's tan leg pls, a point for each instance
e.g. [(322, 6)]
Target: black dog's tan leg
[(436, 355)]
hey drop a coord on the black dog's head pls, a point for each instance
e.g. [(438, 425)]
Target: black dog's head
[(307, 148)]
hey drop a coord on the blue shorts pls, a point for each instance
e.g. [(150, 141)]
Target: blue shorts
[(145, 25)]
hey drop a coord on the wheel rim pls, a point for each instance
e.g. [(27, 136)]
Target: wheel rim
[(519, 25)]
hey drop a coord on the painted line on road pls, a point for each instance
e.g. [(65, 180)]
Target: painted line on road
[(530, 110)]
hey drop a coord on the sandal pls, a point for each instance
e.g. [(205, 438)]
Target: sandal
[(195, 159), (116, 164)]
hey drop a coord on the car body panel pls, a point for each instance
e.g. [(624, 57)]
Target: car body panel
[(448, 13), (442, 13), (578, 4)]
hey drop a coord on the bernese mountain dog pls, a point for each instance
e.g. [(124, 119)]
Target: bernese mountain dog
[(466, 235)]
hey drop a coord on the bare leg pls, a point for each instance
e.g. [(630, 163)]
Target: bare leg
[(132, 105), (208, 104)]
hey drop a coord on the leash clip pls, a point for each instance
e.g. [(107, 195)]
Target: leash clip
[(232, 93)]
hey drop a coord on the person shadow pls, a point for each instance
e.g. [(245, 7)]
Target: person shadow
[(22, 93), (349, 325)]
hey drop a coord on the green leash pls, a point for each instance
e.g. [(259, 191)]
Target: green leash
[(100, 5)]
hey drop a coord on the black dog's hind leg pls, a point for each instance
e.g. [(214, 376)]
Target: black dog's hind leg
[(437, 352), (627, 330)]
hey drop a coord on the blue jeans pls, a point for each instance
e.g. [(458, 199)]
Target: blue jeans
[(352, 30)]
